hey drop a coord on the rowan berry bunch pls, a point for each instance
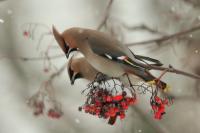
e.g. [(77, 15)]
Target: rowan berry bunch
[(108, 103), (158, 103), (43, 103), (102, 103), (110, 100), (158, 106)]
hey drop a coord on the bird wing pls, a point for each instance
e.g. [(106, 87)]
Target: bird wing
[(111, 49), (145, 58), (114, 51)]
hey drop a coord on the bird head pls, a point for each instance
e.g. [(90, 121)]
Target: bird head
[(65, 40), (74, 70)]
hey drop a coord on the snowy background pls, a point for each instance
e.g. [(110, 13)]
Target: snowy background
[(19, 80)]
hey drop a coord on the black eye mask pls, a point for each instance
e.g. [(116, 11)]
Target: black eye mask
[(74, 77), (70, 50)]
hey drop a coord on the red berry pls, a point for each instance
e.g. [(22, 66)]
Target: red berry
[(39, 107), (118, 98), (130, 101), (46, 70), (112, 112), (154, 107), (158, 100), (98, 103), (25, 33), (165, 101), (122, 115), (109, 99), (157, 115), (124, 105), (54, 114)]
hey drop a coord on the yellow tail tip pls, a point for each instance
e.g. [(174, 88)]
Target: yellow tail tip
[(152, 82), (167, 88)]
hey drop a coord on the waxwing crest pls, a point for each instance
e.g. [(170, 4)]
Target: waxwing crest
[(60, 40)]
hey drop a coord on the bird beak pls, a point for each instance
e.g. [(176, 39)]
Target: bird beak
[(73, 76)]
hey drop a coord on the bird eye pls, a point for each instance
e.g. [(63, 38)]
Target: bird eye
[(66, 46)]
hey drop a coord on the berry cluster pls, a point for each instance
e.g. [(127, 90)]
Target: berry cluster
[(38, 104), (103, 104), (158, 106), (38, 108), (54, 113)]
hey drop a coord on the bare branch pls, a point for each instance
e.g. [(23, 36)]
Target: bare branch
[(107, 13), (34, 58), (194, 3), (47, 91), (142, 27), (173, 70), (41, 58), (61, 69), (166, 38)]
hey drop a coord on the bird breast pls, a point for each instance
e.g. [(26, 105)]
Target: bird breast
[(105, 66), (101, 64)]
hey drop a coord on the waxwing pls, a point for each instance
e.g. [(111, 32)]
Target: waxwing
[(105, 54), (78, 67)]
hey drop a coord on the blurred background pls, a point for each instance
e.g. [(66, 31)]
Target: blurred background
[(29, 56)]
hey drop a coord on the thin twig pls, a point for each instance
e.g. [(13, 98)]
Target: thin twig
[(195, 4), (107, 13), (142, 27), (57, 73), (166, 38), (173, 70), (34, 58), (49, 83)]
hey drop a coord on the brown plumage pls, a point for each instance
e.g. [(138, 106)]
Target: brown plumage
[(79, 65), (105, 54)]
